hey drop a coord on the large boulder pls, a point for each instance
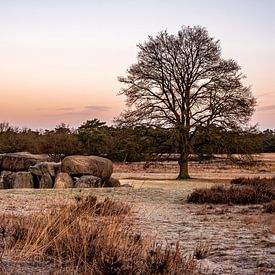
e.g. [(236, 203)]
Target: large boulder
[(87, 165), (63, 180), (42, 168), (111, 182), (1, 157), (21, 161), (88, 182), (44, 173), (23, 180), (46, 181), (7, 179)]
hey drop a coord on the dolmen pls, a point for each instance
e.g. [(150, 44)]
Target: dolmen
[(25, 170)]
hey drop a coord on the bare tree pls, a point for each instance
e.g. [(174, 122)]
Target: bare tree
[(182, 82)]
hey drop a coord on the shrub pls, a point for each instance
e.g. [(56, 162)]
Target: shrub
[(269, 207), (232, 194), (266, 185), (241, 181), (241, 191), (254, 181)]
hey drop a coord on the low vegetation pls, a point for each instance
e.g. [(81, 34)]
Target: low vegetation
[(202, 250), (92, 237), (265, 183), (241, 191), (269, 207)]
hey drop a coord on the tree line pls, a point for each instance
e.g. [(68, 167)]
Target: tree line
[(139, 143)]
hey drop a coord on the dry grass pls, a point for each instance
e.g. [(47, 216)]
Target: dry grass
[(269, 207), (232, 195), (266, 184), (202, 250), (242, 191), (90, 237), (254, 181)]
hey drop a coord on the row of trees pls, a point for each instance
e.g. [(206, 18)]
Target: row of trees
[(94, 137)]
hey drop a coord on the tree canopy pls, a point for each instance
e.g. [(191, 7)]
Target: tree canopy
[(182, 82)]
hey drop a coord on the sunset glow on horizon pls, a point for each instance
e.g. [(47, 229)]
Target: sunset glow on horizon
[(59, 60)]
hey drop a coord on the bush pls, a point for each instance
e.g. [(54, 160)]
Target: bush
[(267, 182), (269, 207), (241, 191), (266, 185), (230, 195)]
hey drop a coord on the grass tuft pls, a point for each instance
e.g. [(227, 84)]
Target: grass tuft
[(202, 250)]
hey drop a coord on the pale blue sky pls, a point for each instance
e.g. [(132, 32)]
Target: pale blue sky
[(59, 59)]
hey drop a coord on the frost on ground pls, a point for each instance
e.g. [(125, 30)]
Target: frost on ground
[(240, 237)]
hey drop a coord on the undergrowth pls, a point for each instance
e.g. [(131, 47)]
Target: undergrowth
[(269, 207), (91, 237), (241, 191)]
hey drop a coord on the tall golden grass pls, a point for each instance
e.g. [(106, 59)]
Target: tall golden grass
[(91, 237)]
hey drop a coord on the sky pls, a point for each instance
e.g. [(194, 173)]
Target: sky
[(60, 59)]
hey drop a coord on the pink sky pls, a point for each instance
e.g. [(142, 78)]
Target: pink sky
[(59, 60)]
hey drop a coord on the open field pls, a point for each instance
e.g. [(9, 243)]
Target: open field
[(241, 238), (213, 171)]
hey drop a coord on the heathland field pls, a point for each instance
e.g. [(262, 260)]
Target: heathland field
[(151, 218)]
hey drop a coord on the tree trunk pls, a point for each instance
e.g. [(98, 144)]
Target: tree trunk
[(183, 163)]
